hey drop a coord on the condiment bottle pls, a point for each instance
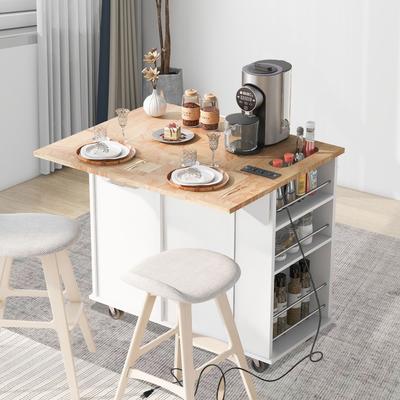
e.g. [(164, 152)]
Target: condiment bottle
[(312, 176), (280, 193), (305, 227), (281, 295), (190, 108), (209, 112), (301, 181), (277, 163), (305, 286), (309, 145), (290, 188), (294, 294), (275, 319)]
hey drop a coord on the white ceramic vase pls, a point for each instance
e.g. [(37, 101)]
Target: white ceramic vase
[(155, 104)]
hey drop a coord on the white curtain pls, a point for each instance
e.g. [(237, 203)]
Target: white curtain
[(68, 54)]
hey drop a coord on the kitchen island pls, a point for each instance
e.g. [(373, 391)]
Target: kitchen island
[(136, 213)]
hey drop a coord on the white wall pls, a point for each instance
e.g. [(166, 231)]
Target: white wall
[(346, 69), (18, 115)]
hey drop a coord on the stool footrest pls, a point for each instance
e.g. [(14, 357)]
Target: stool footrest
[(143, 376), (154, 343), (17, 323), (11, 292), (216, 360), (73, 311)]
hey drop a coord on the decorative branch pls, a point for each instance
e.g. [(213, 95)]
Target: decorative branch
[(160, 32), (167, 43)]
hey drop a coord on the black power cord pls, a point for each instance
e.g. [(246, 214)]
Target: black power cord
[(314, 356)]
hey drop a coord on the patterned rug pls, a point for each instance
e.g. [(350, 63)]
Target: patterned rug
[(362, 350)]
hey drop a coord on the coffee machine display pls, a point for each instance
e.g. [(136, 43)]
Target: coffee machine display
[(264, 99)]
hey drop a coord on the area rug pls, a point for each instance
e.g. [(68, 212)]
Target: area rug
[(361, 351)]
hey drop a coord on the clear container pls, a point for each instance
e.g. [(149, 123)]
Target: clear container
[(190, 108), (281, 243), (305, 227), (292, 239), (294, 294), (209, 112), (305, 286), (281, 295), (241, 133)]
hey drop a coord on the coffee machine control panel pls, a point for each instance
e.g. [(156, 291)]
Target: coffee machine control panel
[(249, 98)]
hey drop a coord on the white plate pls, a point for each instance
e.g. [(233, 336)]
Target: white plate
[(124, 151), (218, 177), (186, 136), (91, 150), (207, 176)]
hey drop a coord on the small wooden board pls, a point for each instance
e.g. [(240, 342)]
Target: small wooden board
[(209, 188), (107, 163)]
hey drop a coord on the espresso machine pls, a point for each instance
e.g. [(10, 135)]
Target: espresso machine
[(264, 99)]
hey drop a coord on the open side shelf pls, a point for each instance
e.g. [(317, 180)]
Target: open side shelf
[(320, 239), (292, 203), (301, 208), (296, 335)]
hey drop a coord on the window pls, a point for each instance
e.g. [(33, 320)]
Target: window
[(17, 14)]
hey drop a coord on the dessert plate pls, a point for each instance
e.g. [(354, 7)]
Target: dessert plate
[(116, 151), (186, 136), (216, 176)]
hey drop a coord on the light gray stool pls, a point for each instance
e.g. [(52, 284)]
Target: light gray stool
[(47, 237), (187, 276)]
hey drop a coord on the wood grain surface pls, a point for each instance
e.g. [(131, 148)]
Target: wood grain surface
[(161, 158)]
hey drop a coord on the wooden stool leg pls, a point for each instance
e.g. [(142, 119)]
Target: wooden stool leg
[(186, 339), (226, 313), (5, 272), (178, 357), (54, 288), (73, 295), (133, 352)]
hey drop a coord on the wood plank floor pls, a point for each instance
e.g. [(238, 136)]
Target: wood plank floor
[(66, 192)]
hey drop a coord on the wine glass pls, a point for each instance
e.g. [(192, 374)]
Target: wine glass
[(213, 140), (100, 137), (122, 114)]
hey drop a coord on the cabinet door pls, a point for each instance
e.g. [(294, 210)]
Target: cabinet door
[(188, 225), (255, 251), (125, 230)]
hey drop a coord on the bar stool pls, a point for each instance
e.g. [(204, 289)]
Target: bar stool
[(186, 276), (47, 237)]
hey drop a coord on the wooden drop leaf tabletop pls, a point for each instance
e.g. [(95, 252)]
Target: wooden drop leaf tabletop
[(160, 159)]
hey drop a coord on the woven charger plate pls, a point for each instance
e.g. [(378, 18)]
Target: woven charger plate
[(200, 188), (128, 157)]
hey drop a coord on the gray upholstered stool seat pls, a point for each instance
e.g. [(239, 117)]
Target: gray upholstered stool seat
[(185, 275), (27, 235)]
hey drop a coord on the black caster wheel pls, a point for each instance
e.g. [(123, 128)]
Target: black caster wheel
[(259, 366), (115, 313)]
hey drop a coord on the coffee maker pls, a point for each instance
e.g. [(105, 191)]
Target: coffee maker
[(264, 99)]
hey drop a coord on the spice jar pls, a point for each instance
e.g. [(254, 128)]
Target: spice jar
[(209, 113), (190, 108), (291, 187), (280, 193), (281, 296), (305, 227), (294, 294), (305, 287), (275, 319)]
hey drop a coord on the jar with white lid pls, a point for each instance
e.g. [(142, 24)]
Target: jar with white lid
[(190, 108), (209, 113)]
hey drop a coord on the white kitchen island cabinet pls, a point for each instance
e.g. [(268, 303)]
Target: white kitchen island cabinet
[(136, 213)]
